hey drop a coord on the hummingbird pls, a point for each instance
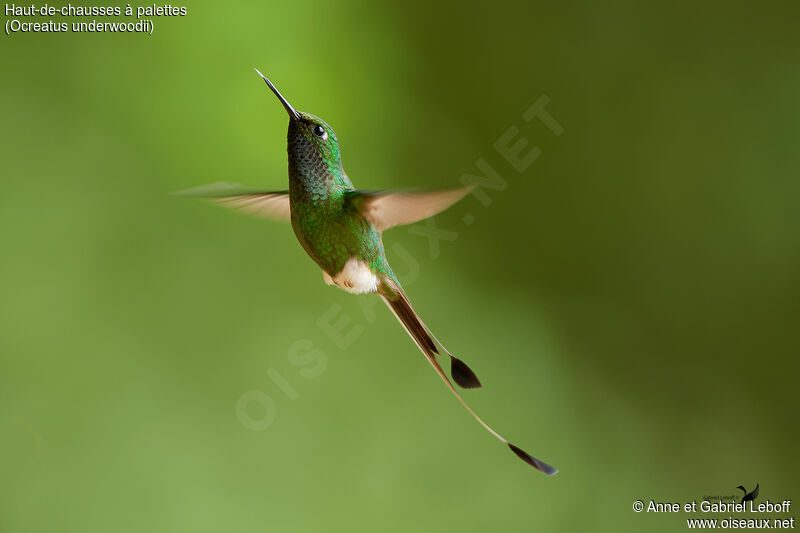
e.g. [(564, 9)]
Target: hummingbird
[(341, 228), (748, 496)]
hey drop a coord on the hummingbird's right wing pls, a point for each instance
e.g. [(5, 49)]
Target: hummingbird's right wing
[(385, 209), (264, 204)]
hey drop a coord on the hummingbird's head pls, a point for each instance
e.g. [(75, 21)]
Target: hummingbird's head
[(312, 145)]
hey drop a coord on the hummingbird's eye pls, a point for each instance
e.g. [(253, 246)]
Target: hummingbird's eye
[(320, 132)]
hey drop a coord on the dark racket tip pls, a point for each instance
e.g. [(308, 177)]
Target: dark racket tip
[(537, 464), (463, 375)]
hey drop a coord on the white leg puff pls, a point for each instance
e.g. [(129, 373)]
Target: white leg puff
[(356, 277)]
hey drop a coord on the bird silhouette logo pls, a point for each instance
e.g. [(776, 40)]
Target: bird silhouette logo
[(748, 496)]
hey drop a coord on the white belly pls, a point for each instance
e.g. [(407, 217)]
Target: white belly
[(355, 277)]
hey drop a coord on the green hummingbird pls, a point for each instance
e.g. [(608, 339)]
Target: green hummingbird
[(340, 228)]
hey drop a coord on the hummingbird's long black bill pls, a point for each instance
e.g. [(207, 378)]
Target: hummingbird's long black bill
[(289, 109)]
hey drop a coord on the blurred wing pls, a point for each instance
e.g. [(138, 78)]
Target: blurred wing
[(274, 205), (264, 204), (394, 208), (754, 494)]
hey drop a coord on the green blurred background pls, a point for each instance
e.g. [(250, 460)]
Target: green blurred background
[(630, 301)]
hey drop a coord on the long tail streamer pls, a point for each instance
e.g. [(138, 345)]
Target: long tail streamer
[(421, 335)]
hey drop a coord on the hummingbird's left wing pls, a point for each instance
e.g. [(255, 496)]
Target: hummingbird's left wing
[(385, 209), (264, 204)]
